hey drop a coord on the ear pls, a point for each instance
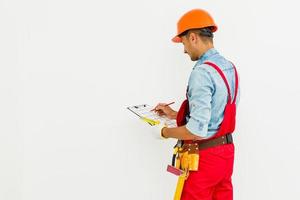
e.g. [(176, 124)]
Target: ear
[(193, 37)]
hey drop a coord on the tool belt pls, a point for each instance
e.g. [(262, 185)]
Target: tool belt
[(186, 153), (204, 144)]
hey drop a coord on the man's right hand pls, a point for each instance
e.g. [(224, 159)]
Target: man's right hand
[(162, 109)]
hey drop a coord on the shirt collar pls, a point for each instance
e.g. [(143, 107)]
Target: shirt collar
[(206, 56)]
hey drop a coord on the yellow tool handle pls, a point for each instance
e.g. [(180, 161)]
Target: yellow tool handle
[(179, 187)]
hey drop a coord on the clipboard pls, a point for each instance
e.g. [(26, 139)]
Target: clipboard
[(144, 112)]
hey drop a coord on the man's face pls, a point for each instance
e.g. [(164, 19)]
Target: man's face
[(189, 44)]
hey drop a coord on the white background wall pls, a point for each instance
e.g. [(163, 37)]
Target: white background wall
[(68, 69)]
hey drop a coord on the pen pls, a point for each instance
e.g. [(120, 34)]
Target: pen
[(164, 105)]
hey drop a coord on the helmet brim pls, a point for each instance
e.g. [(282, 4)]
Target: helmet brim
[(176, 39)]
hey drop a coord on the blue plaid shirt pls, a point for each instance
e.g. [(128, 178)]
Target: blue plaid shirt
[(207, 94)]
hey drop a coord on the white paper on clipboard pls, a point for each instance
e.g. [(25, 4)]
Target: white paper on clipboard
[(144, 110)]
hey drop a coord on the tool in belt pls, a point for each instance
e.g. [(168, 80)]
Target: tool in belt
[(186, 158)]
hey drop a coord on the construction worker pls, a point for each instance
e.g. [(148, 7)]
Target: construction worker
[(207, 117)]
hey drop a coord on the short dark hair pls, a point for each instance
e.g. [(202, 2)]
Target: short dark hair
[(204, 32)]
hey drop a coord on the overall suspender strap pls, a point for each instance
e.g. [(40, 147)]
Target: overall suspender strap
[(236, 83), (225, 80)]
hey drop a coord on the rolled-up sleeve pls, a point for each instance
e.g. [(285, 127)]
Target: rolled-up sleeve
[(200, 92)]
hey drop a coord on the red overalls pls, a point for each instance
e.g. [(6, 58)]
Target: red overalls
[(212, 181)]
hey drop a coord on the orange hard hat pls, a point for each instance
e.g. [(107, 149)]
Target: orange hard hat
[(196, 18)]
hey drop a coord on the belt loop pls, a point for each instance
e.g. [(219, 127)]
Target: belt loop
[(228, 138)]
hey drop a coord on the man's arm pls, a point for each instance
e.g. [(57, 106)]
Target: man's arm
[(181, 133), (200, 93)]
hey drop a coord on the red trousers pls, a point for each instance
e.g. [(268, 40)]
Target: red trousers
[(213, 179)]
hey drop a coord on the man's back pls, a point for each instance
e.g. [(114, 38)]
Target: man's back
[(207, 87)]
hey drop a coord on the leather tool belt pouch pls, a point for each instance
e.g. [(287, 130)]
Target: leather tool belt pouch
[(187, 158)]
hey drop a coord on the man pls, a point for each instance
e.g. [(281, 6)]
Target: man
[(207, 117)]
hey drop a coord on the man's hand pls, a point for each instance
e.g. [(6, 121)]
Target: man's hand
[(163, 109)]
